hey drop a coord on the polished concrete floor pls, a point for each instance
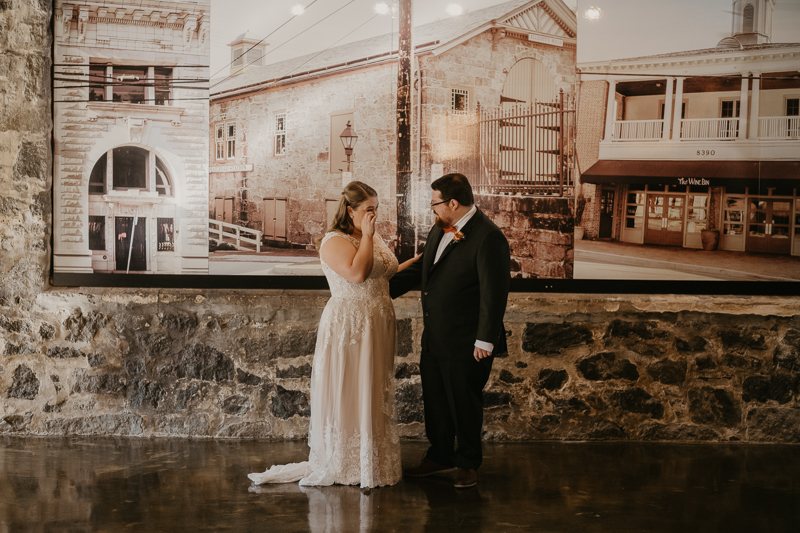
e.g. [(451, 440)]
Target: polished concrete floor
[(108, 484)]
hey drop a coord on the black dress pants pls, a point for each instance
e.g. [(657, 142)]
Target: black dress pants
[(452, 392)]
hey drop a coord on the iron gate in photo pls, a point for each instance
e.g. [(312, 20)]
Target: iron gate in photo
[(516, 148)]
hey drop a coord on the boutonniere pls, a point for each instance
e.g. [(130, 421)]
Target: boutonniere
[(458, 236)]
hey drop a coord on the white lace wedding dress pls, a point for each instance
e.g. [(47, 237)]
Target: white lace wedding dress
[(353, 432)]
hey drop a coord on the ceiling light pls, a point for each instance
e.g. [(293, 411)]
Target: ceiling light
[(592, 13), (454, 10)]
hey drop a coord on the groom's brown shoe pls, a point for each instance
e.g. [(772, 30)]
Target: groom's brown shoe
[(466, 478), (428, 468)]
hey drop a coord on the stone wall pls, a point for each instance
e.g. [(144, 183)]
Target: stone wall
[(236, 363), (539, 232), (225, 364)]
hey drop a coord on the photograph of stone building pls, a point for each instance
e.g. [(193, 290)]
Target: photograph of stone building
[(689, 159), (493, 97), (130, 134)]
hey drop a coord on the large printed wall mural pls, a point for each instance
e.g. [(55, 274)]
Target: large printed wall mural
[(674, 165)]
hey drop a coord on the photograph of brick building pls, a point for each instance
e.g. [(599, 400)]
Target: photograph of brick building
[(689, 159), (486, 102), (130, 135)]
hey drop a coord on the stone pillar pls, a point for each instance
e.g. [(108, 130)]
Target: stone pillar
[(676, 119), (754, 106), (667, 111), (610, 115), (743, 102)]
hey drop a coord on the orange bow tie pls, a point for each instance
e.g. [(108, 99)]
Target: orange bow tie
[(451, 229)]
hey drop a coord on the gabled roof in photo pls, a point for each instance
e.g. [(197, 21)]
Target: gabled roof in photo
[(435, 36), (707, 51)]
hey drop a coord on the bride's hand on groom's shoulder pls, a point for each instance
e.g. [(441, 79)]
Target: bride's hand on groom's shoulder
[(406, 264)]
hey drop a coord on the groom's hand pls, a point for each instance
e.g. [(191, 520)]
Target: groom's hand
[(481, 354)]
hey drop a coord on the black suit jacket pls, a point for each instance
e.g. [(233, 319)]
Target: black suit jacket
[(464, 294)]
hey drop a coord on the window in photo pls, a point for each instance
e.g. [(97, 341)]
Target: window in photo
[(97, 232), (219, 140), (130, 170), (237, 57), (162, 81), (230, 138), (97, 83), (97, 179), (634, 210), (697, 213), (733, 215), (459, 100), (255, 57), (130, 167), (280, 134), (163, 185), (166, 234), (683, 110), (729, 109), (130, 84), (793, 112)]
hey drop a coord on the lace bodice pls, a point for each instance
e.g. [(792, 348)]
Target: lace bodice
[(376, 286)]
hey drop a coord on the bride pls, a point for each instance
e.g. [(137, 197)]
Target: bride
[(352, 433)]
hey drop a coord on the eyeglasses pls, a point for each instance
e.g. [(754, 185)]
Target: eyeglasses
[(437, 203)]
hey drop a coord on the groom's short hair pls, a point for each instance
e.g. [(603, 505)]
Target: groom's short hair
[(454, 186)]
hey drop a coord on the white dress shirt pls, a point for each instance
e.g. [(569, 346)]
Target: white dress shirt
[(447, 238)]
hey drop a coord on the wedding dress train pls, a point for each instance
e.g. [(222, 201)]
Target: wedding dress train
[(352, 433)]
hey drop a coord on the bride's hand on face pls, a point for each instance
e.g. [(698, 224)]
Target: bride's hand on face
[(368, 224)]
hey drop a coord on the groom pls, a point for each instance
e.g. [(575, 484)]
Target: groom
[(463, 277)]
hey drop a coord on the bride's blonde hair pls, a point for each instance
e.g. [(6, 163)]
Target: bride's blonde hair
[(354, 194)]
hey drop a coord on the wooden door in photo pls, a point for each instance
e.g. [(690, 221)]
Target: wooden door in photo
[(606, 214), (274, 218), (228, 211), (664, 219), (768, 225), (123, 233), (219, 208)]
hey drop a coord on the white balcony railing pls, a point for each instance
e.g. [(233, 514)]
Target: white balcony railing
[(779, 128), (709, 129), (638, 130)]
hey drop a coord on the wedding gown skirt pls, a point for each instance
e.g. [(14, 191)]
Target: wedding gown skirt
[(352, 432)]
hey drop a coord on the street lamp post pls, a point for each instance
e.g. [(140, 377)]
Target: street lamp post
[(349, 139)]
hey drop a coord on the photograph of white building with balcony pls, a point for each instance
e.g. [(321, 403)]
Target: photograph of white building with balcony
[(130, 169), (691, 151)]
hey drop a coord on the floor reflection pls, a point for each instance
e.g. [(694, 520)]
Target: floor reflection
[(107, 484)]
